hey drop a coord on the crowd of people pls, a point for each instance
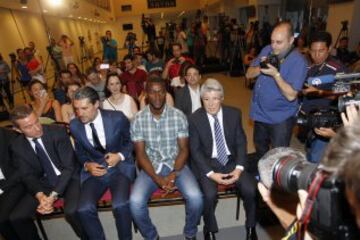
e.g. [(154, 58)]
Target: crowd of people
[(159, 115)]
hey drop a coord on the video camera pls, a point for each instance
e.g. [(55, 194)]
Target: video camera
[(327, 118), (288, 170), (271, 59), (340, 82)]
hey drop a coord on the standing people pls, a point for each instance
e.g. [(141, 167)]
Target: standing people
[(160, 136), (66, 45), (5, 82), (274, 102), (109, 47), (104, 149)]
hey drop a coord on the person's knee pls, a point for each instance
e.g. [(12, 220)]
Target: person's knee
[(120, 206), (137, 200), (86, 208)]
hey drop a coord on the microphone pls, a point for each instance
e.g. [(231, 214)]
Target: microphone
[(275, 161), (319, 80)]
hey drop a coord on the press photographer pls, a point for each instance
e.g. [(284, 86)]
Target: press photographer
[(109, 47), (314, 99), (149, 29), (330, 187)]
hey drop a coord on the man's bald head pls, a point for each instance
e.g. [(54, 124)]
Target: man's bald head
[(282, 37)]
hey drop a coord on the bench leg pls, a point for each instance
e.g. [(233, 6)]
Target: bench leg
[(238, 200), (42, 229)]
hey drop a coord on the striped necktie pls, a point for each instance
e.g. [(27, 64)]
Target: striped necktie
[(222, 157)]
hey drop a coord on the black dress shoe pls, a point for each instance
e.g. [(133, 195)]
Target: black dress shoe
[(251, 234), (190, 238), (209, 236)]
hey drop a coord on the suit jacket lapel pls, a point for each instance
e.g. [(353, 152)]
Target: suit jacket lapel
[(188, 99), (83, 136), (30, 153), (107, 129), (204, 122), (226, 124)]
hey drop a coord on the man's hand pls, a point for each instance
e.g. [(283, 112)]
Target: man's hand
[(351, 116), (45, 203), (220, 178), (95, 169), (112, 159), (164, 183), (325, 132), (170, 182), (271, 70), (234, 176)]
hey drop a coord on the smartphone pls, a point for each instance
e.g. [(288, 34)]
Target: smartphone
[(104, 66)]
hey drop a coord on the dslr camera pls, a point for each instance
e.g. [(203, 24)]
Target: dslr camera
[(327, 118), (271, 59), (288, 170)]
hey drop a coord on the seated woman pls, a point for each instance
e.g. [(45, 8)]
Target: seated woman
[(67, 109), (76, 75), (116, 100), (42, 104)]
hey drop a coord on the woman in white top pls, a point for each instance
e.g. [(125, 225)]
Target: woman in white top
[(116, 100), (67, 109)]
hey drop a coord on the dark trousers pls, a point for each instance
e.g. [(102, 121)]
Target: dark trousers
[(6, 86), (22, 216), (8, 201), (91, 191), (274, 135), (246, 186)]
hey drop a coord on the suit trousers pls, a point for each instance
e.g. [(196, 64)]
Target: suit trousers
[(8, 201), (92, 190), (22, 216), (246, 186)]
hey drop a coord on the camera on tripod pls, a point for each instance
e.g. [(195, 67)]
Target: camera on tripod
[(288, 170), (344, 25), (327, 118)]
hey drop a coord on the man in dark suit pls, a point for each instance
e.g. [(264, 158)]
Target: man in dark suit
[(104, 148), (47, 165), (11, 188), (187, 99), (218, 155)]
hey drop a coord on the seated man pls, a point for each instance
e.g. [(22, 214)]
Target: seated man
[(48, 168), (11, 188), (160, 135), (218, 155), (104, 148)]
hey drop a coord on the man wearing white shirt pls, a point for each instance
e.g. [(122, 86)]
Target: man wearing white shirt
[(187, 99), (47, 165), (218, 156)]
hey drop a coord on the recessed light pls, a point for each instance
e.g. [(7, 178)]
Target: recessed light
[(24, 7)]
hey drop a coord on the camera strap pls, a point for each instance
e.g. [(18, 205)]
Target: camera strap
[(310, 200), (282, 58)]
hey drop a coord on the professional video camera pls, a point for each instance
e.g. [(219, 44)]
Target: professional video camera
[(328, 118), (271, 59), (340, 82), (288, 170)]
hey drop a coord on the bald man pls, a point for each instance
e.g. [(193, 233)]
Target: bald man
[(274, 103)]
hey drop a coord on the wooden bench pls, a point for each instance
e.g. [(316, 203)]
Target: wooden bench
[(157, 199)]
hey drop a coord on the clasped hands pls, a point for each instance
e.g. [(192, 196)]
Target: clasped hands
[(45, 203), (226, 178), (167, 183)]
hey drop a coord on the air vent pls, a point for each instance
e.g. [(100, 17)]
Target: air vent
[(126, 8)]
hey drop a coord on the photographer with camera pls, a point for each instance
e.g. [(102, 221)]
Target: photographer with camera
[(109, 47), (281, 72), (314, 98)]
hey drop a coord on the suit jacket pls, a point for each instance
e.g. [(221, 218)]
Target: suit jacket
[(7, 165), (117, 134), (201, 142), (59, 148), (183, 100)]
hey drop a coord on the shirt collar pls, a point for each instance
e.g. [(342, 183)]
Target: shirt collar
[(219, 114), (97, 120)]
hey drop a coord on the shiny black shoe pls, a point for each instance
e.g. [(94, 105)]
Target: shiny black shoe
[(251, 233), (190, 238), (209, 236)]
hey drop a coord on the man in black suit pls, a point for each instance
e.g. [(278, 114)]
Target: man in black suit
[(47, 165), (104, 148), (218, 155), (187, 99), (11, 188)]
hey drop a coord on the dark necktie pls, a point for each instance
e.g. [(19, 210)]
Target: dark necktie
[(45, 163), (222, 157), (96, 140)]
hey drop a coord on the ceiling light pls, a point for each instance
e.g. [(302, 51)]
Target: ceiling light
[(55, 3), (24, 7)]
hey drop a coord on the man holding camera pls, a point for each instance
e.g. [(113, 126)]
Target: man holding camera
[(109, 47), (315, 98), (274, 103)]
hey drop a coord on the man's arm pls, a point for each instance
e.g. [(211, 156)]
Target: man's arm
[(253, 72), (145, 164)]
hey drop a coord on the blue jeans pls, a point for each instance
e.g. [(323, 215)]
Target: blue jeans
[(142, 190), (316, 151)]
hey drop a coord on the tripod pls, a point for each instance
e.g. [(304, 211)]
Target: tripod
[(15, 77), (344, 32), (236, 56)]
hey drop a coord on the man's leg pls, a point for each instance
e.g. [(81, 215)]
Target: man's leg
[(91, 191), (281, 133), (247, 187), (209, 189), (8, 201), (261, 138), (22, 216), (71, 201), (316, 150), (190, 190), (120, 191), (142, 189)]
